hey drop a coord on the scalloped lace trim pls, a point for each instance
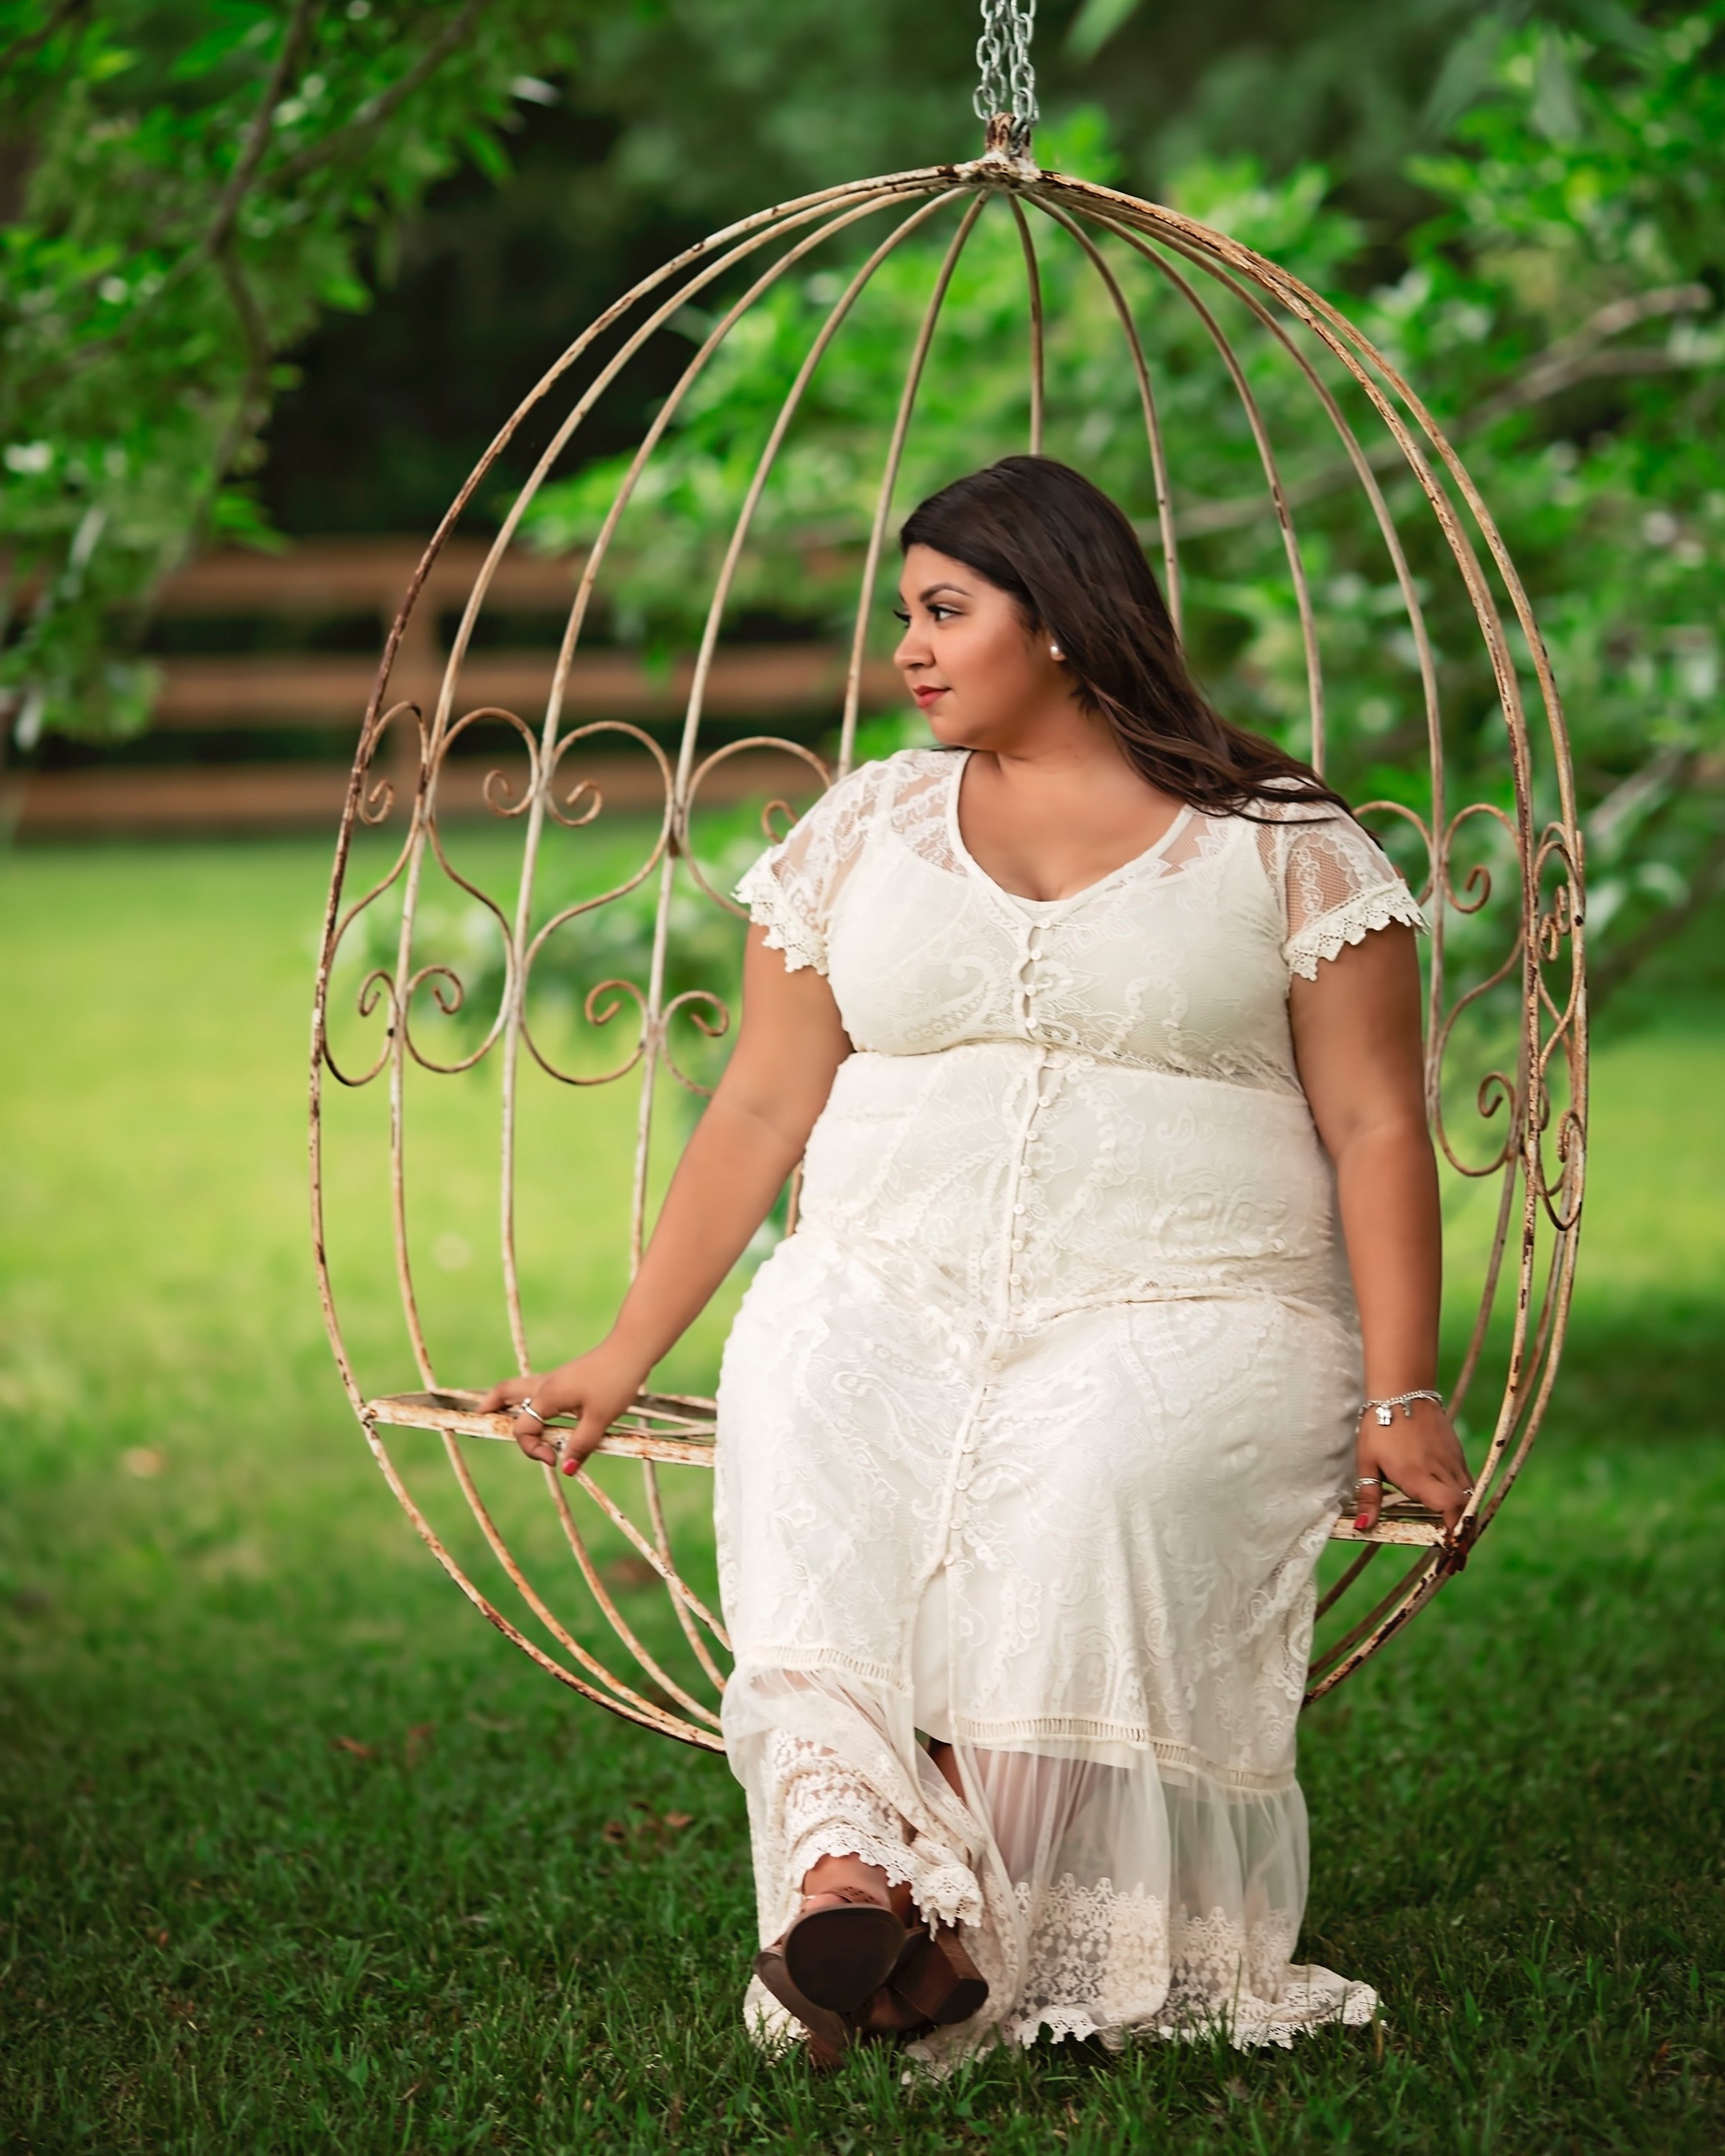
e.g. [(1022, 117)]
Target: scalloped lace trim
[(770, 908), (1351, 923)]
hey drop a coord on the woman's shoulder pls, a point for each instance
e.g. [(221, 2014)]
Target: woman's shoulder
[(895, 778)]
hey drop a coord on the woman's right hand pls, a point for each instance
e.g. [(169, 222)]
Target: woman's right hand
[(597, 1387)]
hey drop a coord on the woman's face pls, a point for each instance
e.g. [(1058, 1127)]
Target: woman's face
[(981, 677)]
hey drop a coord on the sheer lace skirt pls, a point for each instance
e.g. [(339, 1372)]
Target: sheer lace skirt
[(1101, 1892)]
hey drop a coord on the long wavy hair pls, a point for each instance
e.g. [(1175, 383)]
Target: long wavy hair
[(1044, 534)]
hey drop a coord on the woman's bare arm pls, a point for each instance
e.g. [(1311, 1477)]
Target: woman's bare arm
[(1356, 1043), (788, 1049)]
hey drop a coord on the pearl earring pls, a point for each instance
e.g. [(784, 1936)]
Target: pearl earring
[(1055, 651)]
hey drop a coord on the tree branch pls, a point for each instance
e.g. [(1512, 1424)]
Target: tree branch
[(1705, 885), (377, 110), (1575, 359), (257, 141), (21, 49)]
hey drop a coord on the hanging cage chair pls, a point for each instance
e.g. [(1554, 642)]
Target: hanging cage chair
[(463, 993)]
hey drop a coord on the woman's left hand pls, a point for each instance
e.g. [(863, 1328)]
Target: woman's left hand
[(1420, 1454)]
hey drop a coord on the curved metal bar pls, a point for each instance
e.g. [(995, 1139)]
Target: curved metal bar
[(661, 1542), (769, 456), (1032, 286), (649, 1716), (1147, 401), (595, 1017), (1278, 495), (1328, 1601), (710, 763), (690, 998), (613, 1615), (524, 1587), (690, 1600), (1415, 613), (889, 477)]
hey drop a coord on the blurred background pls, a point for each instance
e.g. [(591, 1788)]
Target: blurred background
[(293, 1850)]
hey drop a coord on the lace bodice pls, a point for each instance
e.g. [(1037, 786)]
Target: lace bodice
[(1178, 962)]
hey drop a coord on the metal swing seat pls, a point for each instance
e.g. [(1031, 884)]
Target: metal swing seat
[(1499, 878)]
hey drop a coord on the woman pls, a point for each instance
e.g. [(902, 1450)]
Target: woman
[(1100, 1042)]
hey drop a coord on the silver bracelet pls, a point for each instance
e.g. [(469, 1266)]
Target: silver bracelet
[(1386, 1408)]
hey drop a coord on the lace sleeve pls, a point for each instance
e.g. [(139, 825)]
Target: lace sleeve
[(792, 889), (1338, 884)]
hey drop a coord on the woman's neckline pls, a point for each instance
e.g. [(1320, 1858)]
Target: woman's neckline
[(961, 763)]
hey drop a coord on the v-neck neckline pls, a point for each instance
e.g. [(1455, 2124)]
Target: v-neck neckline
[(961, 762)]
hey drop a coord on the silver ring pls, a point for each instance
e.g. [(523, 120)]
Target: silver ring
[(1368, 1482), (526, 1407)]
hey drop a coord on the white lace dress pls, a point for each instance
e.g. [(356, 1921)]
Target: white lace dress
[(1030, 1436)]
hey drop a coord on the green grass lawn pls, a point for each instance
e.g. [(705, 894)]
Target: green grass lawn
[(295, 1853)]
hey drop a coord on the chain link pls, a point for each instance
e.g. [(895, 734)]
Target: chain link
[(1008, 81)]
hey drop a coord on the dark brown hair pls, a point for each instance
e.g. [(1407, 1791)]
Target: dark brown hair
[(1067, 554)]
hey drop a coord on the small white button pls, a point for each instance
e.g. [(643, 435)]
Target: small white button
[(1017, 1242), (1019, 1207)]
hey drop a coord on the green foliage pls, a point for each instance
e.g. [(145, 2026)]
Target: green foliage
[(200, 180), (1556, 314)]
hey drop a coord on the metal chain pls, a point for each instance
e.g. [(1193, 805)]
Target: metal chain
[(1008, 80)]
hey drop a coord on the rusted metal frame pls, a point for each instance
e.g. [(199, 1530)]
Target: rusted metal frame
[(613, 1615), (651, 1717), (437, 972), (652, 1023), (1278, 493), (1337, 334), (384, 791), (1559, 1291), (571, 912), (1481, 877), (661, 1542), (370, 731), (889, 476), (1568, 1035), (1339, 1648), (1572, 1132), (620, 1519), (1521, 756), (697, 778), (1033, 287), (1328, 1601), (376, 984), (524, 1587), (772, 221), (1147, 401), (1367, 478), (1415, 1592), (1488, 1298), (873, 195), (788, 410)]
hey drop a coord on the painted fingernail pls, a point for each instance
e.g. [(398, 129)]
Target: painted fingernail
[(1362, 1523)]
